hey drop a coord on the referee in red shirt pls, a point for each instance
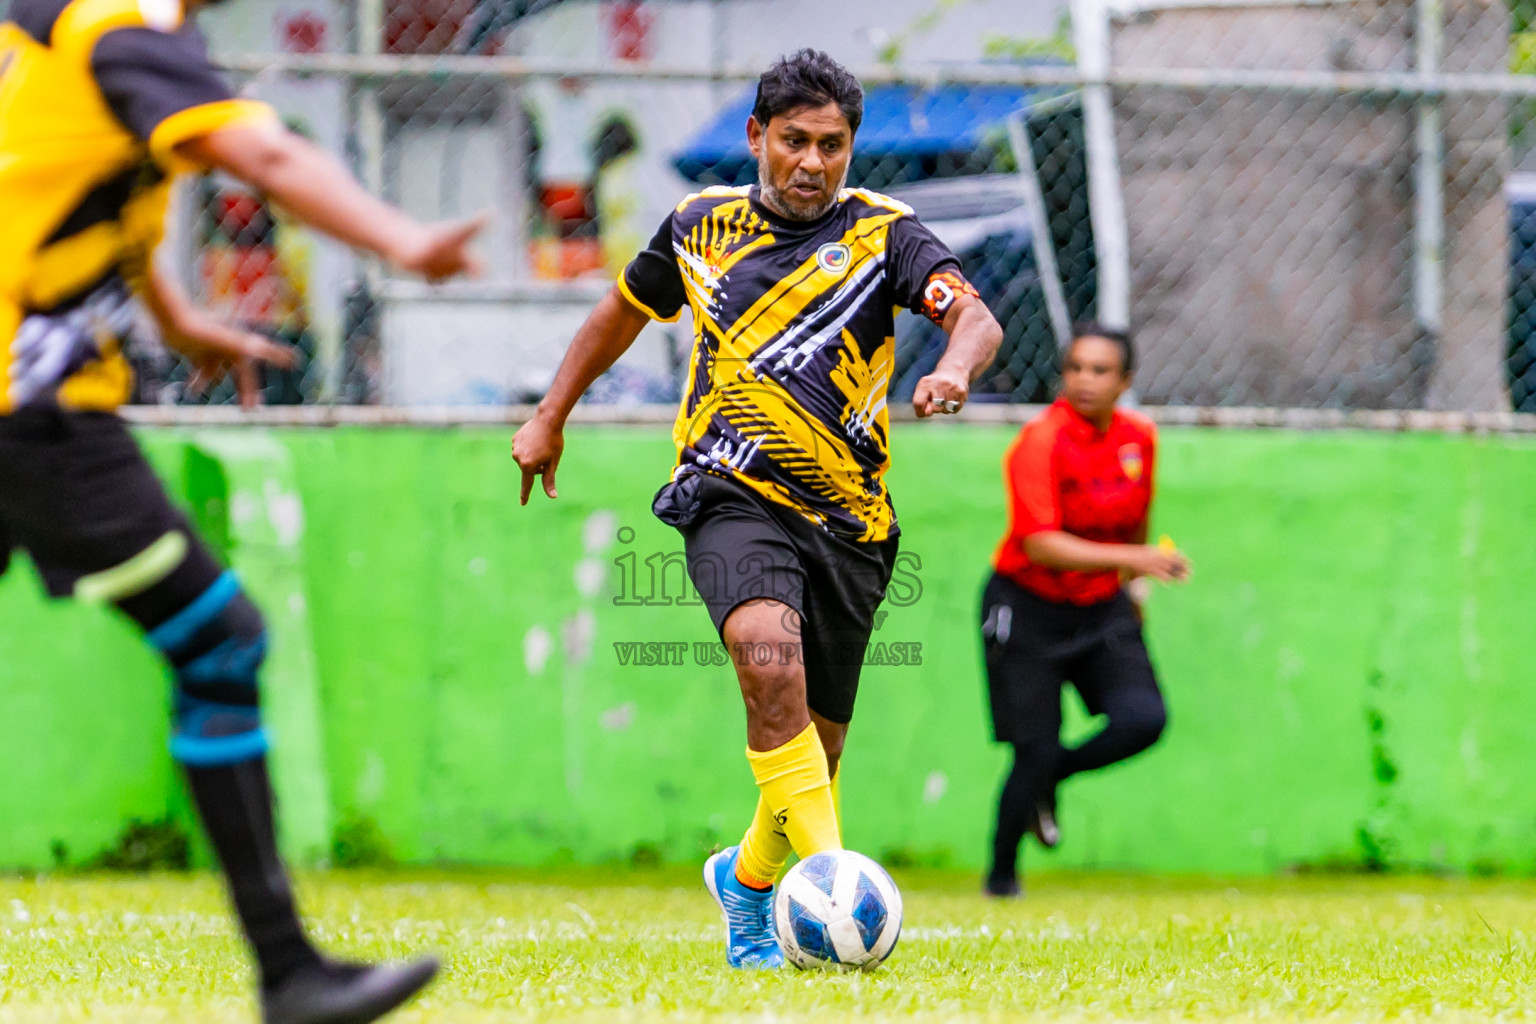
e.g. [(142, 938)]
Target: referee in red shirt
[(1079, 480)]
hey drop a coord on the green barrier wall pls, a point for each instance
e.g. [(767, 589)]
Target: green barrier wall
[(1349, 675)]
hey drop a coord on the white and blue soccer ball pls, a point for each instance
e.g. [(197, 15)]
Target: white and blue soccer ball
[(837, 909)]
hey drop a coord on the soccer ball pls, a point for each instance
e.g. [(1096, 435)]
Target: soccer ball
[(837, 909)]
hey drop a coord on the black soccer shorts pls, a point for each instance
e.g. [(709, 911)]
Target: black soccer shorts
[(78, 496), (1032, 646), (741, 546)]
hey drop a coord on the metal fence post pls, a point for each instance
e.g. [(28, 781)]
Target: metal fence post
[(1429, 203), (1041, 242), (368, 132), (1106, 200)]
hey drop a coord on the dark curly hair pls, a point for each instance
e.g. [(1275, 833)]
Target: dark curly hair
[(1122, 340), (808, 78)]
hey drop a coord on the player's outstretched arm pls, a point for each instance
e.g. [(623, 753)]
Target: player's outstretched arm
[(974, 336), (316, 188), (211, 346), (609, 330), (1057, 549)]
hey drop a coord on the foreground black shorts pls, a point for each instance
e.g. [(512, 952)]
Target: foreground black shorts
[(78, 496), (741, 546), (1033, 646)]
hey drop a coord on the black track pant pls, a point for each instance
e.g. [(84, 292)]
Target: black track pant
[(1032, 647), (79, 497)]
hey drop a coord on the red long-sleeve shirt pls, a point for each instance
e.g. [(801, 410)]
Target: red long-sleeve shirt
[(1061, 473)]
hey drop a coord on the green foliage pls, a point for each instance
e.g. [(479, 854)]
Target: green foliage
[(1522, 61), (997, 45), (1520, 16), (358, 842), (646, 856), (143, 846), (890, 51), (1522, 53), (905, 858)]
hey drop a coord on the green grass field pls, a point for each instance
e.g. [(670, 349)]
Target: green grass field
[(646, 946)]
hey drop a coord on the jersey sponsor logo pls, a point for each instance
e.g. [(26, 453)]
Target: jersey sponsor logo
[(942, 291), (714, 262), (834, 257), (1131, 463)]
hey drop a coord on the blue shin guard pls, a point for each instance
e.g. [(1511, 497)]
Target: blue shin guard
[(215, 646)]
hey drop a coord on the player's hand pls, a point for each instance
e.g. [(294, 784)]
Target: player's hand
[(1160, 563), (536, 448), (215, 348), (945, 390), (440, 251)]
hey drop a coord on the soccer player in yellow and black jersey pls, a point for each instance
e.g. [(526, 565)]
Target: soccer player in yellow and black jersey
[(779, 490), (102, 103)]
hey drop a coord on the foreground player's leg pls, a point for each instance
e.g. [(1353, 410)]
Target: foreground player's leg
[(796, 796), (766, 847), (214, 640), (795, 806), (784, 746), (837, 794)]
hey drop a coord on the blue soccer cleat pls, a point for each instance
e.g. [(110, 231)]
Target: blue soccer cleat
[(750, 940)]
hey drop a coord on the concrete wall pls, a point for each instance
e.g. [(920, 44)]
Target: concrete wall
[(1348, 673), (1272, 233)]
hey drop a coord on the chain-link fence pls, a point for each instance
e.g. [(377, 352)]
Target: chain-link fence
[(1299, 204)]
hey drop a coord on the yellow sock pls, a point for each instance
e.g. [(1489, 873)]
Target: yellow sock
[(837, 796), (765, 847), (796, 802)]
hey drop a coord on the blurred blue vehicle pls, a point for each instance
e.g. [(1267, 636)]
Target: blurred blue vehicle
[(1520, 359)]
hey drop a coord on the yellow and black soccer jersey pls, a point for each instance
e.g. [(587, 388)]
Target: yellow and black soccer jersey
[(793, 342), (94, 97)]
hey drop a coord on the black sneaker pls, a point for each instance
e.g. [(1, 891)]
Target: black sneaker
[(334, 993), (1002, 888), (1043, 826)]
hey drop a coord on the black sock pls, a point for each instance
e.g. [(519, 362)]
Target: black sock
[(1016, 805), (1012, 820), (236, 807)]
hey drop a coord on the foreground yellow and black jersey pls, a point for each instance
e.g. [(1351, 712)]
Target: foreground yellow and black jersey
[(94, 97), (793, 342)]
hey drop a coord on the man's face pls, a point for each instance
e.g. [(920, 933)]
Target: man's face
[(1093, 376), (802, 159)]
